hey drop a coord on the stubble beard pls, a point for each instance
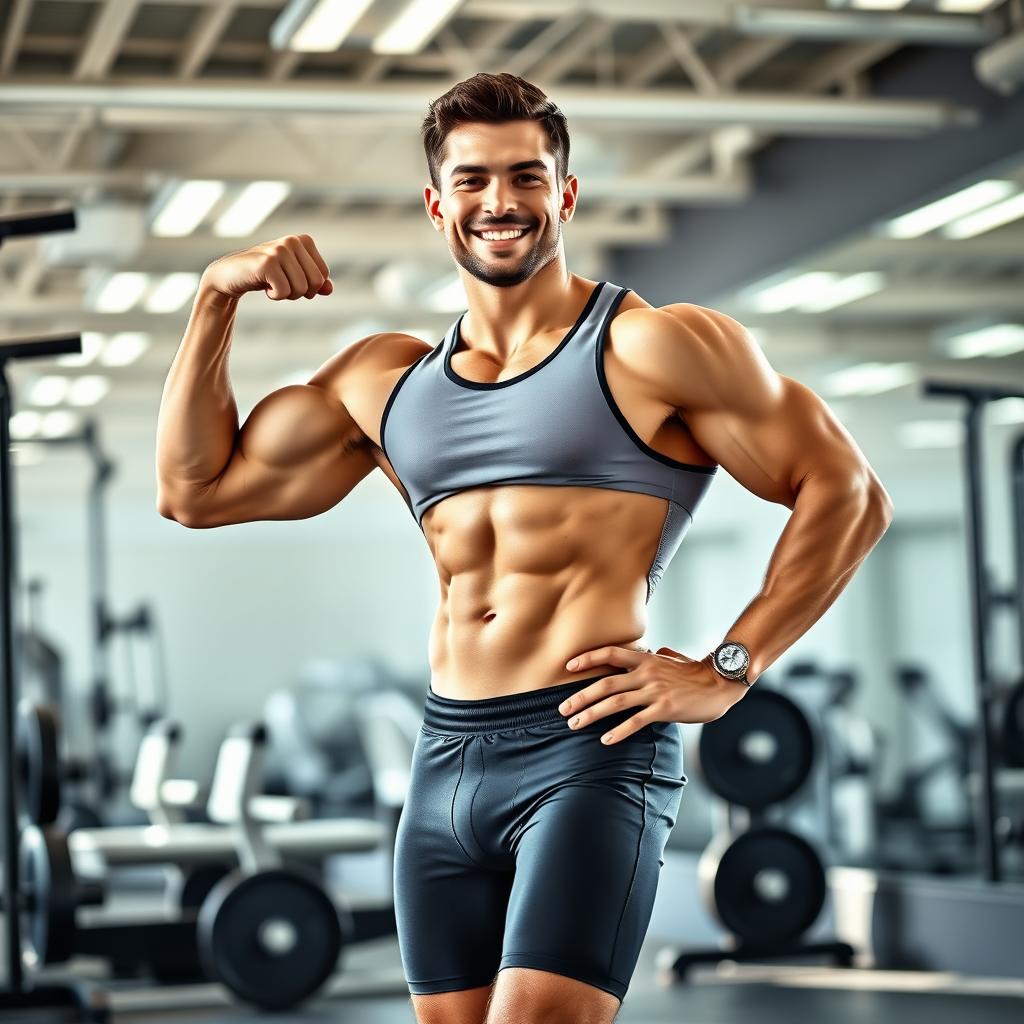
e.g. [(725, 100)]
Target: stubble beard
[(504, 271)]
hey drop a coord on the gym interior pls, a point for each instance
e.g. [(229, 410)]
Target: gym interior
[(208, 733)]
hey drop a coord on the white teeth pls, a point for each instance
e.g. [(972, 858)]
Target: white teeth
[(493, 236)]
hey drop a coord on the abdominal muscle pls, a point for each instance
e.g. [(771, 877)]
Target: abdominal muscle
[(531, 576)]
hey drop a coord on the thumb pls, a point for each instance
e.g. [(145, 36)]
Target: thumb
[(669, 650)]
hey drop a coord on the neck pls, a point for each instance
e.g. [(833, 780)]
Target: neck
[(500, 321)]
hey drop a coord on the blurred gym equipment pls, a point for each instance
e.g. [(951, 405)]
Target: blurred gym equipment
[(314, 749), (19, 995), (104, 706), (765, 884), (993, 713)]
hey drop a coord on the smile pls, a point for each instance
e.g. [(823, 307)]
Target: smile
[(502, 237)]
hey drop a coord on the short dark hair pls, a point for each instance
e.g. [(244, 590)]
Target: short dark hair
[(493, 99)]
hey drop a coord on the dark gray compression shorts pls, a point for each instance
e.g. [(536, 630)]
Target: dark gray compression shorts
[(524, 843)]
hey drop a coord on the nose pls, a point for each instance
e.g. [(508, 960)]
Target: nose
[(498, 198)]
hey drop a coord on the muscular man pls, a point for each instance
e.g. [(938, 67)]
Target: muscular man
[(553, 448)]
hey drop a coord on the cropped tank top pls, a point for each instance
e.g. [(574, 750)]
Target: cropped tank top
[(557, 424)]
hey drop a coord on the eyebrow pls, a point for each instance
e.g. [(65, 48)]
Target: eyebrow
[(480, 169)]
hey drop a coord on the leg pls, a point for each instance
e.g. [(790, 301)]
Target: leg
[(588, 855), (466, 1007), (450, 909), (523, 995)]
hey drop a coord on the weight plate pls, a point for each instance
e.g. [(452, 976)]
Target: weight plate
[(189, 887), (766, 885), (273, 938), (760, 752), (38, 766), (47, 886)]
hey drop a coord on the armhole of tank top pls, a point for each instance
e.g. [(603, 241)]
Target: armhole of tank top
[(394, 394), (602, 380)]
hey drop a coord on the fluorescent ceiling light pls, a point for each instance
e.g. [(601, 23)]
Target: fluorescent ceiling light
[(879, 5), (48, 390), (58, 423), (184, 207), (994, 340), (931, 433), (987, 219), (843, 290), (25, 424), (120, 292), (814, 291), (91, 345), (253, 205), (326, 25), (414, 26), (172, 292), (124, 348), (447, 297), (869, 379), (942, 211), (88, 389), (964, 6)]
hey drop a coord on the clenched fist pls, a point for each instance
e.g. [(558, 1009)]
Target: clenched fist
[(285, 268)]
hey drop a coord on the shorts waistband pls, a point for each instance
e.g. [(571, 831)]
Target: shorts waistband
[(495, 714)]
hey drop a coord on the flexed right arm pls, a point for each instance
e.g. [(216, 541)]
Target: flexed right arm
[(298, 453)]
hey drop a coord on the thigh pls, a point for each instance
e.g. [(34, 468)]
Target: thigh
[(589, 854), (449, 909)]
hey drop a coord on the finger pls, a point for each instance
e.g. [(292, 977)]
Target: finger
[(628, 727), (618, 682), (310, 268), (616, 702), (278, 286), (619, 656), (297, 283), (321, 263)]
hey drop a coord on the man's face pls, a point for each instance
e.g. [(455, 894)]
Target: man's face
[(501, 177)]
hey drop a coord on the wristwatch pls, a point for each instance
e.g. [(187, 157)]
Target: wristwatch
[(731, 660)]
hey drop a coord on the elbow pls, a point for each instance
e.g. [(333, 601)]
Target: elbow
[(881, 503), (185, 517)]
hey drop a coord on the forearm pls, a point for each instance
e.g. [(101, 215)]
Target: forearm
[(198, 419), (830, 532)]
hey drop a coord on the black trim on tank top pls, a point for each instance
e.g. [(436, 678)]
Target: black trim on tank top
[(394, 394), (613, 405), (480, 386)]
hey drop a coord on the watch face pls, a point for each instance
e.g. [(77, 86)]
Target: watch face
[(732, 658)]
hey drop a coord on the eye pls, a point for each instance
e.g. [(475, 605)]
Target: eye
[(466, 181)]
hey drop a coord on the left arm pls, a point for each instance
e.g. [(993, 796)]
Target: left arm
[(778, 439)]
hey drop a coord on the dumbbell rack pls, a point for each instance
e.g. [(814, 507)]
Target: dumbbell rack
[(89, 1003)]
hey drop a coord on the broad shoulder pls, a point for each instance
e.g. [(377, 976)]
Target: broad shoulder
[(694, 357), (357, 366)]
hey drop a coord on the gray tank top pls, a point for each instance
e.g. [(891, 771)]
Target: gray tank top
[(557, 424)]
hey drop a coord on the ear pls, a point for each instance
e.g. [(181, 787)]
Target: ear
[(432, 202), (570, 190)]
